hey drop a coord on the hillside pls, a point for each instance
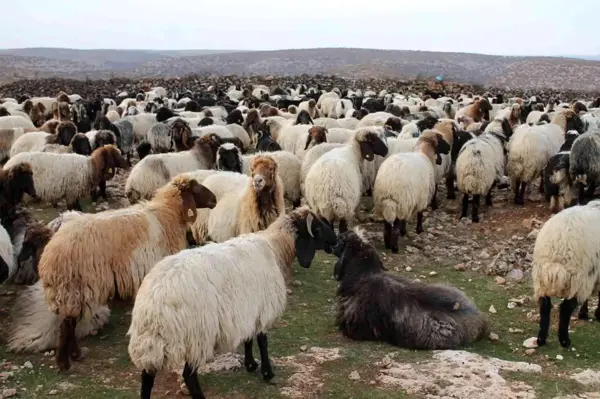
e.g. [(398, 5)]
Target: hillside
[(534, 72)]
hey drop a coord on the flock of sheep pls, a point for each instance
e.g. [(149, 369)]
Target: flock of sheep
[(215, 178)]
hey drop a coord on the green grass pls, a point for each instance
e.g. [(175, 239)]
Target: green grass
[(309, 321)]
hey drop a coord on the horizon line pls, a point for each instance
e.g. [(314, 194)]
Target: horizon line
[(298, 48)]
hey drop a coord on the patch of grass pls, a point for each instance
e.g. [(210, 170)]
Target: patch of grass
[(309, 320)]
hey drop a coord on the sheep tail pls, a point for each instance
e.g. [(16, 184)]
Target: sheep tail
[(553, 279), (388, 210), (36, 328), (515, 166)]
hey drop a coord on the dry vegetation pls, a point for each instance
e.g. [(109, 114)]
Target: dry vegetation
[(558, 73)]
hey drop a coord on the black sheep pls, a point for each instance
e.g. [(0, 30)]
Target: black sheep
[(375, 305)]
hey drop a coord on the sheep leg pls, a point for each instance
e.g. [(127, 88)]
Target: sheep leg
[(147, 384), (102, 192), (74, 206), (402, 227), (518, 199), (434, 204), (296, 204), (387, 235), (590, 191), (249, 361), (465, 206), (190, 377), (476, 203), (583, 312), (566, 309), (522, 193), (419, 222), (394, 236), (542, 183), (545, 309), (369, 193), (67, 335), (265, 365), (580, 194), (450, 193), (343, 226)]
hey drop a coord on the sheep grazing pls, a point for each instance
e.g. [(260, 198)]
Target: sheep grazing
[(78, 274), (584, 167), (333, 184), (156, 170), (250, 208), (480, 165), (374, 305), (248, 276), (69, 176), (405, 185), (566, 264), (558, 186)]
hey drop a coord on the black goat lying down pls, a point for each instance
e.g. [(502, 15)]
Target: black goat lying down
[(375, 305)]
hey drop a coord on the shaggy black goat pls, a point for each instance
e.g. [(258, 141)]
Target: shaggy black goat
[(374, 305)]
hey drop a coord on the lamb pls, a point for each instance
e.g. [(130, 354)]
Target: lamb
[(405, 184), (69, 176), (532, 146), (229, 158), (156, 170), (333, 185), (480, 165), (566, 264), (248, 276), (557, 180), (74, 263), (374, 305), (251, 207), (584, 167)]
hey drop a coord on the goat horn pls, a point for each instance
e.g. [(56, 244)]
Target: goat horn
[(309, 220)]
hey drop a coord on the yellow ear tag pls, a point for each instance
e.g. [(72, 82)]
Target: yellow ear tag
[(190, 212), (110, 170)]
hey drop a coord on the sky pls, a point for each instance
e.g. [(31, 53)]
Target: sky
[(505, 27)]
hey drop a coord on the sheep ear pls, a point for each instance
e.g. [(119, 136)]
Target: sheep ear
[(308, 141), (309, 222)]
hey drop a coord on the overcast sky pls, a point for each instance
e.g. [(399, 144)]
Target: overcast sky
[(509, 27)]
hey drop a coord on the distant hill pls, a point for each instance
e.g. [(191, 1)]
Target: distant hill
[(504, 71)]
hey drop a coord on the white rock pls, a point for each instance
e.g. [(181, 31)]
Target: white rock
[(408, 269), (28, 365), (492, 309), (433, 273), (559, 357), (354, 376), (530, 343)]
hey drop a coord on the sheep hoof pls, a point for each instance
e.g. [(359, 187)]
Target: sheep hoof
[(63, 365), (451, 196), (541, 341), (251, 366), (583, 316), (475, 219), (268, 376), (394, 249)]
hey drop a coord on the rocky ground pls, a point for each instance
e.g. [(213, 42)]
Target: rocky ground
[(490, 261)]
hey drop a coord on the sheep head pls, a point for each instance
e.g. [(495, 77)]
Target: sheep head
[(193, 196), (37, 112), (4, 112), (394, 123), (229, 158), (316, 136), (312, 234), (574, 122), (64, 132), (81, 144), (263, 169), (206, 121), (432, 143), (354, 245), (483, 108), (19, 181), (235, 117), (63, 97), (304, 118), (106, 159), (370, 145)]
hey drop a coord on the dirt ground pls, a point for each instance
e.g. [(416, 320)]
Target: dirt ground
[(490, 261)]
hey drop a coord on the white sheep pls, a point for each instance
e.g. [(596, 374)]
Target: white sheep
[(480, 165), (405, 185), (70, 176), (226, 295), (7, 261), (566, 264), (333, 185), (13, 121)]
